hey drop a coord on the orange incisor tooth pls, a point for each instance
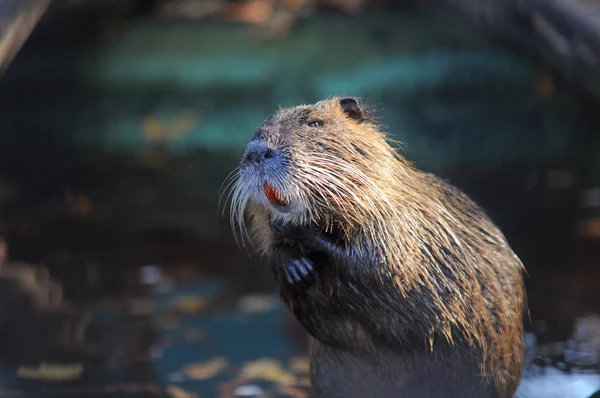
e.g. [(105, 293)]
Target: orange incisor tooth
[(272, 194)]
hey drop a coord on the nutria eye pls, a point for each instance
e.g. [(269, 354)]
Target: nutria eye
[(315, 123)]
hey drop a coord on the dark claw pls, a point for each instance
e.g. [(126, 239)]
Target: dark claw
[(291, 273), (302, 267), (308, 266), (300, 270), (294, 267)]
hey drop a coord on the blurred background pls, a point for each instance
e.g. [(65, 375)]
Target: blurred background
[(120, 120)]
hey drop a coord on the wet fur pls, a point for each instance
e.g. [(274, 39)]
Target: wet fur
[(403, 264)]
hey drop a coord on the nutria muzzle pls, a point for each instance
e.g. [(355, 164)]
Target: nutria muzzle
[(258, 153), (263, 167)]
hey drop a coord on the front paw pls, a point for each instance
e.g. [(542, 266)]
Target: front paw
[(299, 271), (292, 265)]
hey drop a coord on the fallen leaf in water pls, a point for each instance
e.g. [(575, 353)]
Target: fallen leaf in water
[(189, 304), (49, 371), (178, 392), (205, 370), (182, 124), (152, 128), (300, 365), (157, 130), (257, 303), (268, 370), (303, 382)]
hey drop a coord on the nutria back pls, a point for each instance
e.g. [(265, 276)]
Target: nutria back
[(395, 273)]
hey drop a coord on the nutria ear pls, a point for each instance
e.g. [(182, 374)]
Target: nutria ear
[(352, 109)]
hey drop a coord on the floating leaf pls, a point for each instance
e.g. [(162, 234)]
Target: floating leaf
[(178, 392), (303, 382), (205, 370), (189, 304), (156, 130), (152, 128), (300, 365), (257, 303), (268, 370), (49, 371), (182, 125)]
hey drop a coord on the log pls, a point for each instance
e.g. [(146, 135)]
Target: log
[(18, 18)]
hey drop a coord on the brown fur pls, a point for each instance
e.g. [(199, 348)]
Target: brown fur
[(348, 176)]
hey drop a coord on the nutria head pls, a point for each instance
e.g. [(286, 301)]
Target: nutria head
[(324, 163)]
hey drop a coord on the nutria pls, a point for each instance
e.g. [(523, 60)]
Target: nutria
[(406, 286)]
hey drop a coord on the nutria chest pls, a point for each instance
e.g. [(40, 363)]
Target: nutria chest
[(361, 347)]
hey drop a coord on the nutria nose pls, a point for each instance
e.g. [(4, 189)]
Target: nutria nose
[(258, 152)]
